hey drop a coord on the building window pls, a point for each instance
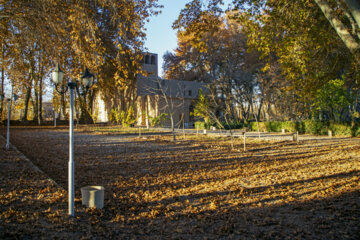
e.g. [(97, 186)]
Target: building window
[(190, 92), (153, 60), (147, 59)]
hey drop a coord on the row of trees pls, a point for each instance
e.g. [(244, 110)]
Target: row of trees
[(272, 59), (107, 36)]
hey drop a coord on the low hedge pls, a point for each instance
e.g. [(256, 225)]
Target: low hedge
[(233, 125), (343, 130), (200, 125), (306, 126), (253, 126)]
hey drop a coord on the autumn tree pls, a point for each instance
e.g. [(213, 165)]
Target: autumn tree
[(105, 36), (24, 59), (299, 51), (212, 49)]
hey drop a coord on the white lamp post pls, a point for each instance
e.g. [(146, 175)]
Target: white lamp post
[(2, 97), (57, 76)]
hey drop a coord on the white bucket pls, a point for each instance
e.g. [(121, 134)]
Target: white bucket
[(93, 196)]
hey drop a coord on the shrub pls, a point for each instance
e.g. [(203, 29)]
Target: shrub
[(157, 121), (290, 126), (300, 127), (274, 126), (355, 131), (254, 126), (200, 125), (233, 125), (115, 116), (128, 118), (316, 127), (340, 129), (307, 126)]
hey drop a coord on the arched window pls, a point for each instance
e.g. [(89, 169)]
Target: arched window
[(147, 59), (153, 60)]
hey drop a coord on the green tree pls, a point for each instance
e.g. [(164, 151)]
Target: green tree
[(158, 120), (202, 108), (333, 99), (128, 118)]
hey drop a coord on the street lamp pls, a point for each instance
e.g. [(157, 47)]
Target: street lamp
[(87, 80), (2, 97)]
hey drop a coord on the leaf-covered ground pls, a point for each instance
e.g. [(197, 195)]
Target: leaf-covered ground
[(197, 188)]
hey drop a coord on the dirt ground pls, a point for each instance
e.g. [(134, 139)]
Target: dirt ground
[(197, 188)]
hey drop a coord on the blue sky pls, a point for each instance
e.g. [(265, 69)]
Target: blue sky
[(160, 35)]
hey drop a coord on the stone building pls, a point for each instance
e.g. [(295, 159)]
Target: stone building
[(156, 96)]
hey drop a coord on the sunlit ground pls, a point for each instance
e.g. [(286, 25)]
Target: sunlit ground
[(196, 188)]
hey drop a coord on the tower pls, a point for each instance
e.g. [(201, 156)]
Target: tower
[(150, 63)]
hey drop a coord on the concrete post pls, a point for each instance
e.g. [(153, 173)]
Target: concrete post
[(8, 125), (244, 136), (330, 133)]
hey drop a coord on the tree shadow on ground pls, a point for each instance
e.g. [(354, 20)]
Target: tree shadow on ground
[(159, 196)]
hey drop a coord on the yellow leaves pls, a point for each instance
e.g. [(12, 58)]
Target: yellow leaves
[(12, 214), (266, 67), (213, 206), (190, 189)]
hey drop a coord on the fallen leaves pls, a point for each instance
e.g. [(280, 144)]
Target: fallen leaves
[(197, 188)]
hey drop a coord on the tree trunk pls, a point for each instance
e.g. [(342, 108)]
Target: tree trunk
[(86, 106), (2, 80), (354, 7), (256, 119), (26, 101), (269, 113), (40, 97), (63, 105), (36, 101), (36, 78), (350, 42), (40, 82), (173, 127), (259, 110)]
